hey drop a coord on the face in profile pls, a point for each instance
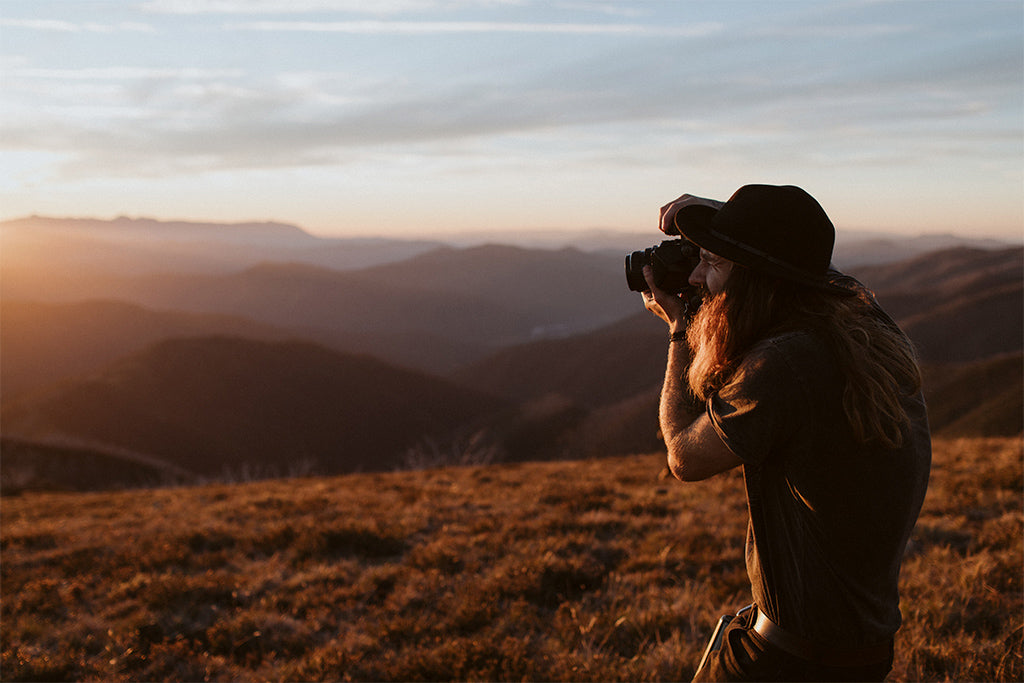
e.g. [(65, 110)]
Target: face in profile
[(711, 273)]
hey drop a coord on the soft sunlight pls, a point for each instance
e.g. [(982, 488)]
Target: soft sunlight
[(339, 341)]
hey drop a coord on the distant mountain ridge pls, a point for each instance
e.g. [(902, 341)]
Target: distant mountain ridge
[(857, 249), (478, 299), (959, 304), (956, 305), (44, 343), (983, 397), (249, 231), (38, 245), (192, 241), (528, 353), (210, 405)]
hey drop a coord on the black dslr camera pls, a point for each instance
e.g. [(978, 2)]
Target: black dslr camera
[(672, 261)]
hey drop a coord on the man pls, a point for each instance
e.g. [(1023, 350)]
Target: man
[(808, 385)]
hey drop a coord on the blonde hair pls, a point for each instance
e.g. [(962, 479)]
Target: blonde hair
[(876, 358)]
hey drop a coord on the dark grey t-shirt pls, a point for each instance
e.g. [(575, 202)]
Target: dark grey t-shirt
[(829, 516)]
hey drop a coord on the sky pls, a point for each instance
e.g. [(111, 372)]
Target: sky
[(425, 117)]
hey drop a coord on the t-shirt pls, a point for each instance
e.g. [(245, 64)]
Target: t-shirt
[(829, 516)]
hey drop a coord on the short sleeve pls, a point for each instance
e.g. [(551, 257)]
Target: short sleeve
[(756, 412)]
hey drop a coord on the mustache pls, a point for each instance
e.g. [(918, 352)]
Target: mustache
[(695, 297)]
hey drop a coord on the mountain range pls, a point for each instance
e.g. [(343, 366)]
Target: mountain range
[(220, 404), (430, 354)]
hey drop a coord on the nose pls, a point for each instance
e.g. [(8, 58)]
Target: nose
[(698, 274)]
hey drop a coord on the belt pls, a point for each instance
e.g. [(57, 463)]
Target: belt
[(818, 653)]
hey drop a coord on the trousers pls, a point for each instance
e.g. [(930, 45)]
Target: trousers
[(742, 654)]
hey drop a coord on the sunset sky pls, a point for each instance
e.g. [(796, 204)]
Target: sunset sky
[(417, 117)]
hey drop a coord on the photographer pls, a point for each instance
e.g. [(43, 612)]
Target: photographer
[(809, 386)]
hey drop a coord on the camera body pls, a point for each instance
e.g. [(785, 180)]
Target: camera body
[(672, 261)]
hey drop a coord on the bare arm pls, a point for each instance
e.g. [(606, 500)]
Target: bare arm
[(695, 451)]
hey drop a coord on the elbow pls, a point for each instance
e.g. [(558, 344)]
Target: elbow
[(677, 465), (699, 452)]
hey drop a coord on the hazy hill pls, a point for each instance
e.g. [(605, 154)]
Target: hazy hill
[(595, 369), (579, 388), (42, 343), (980, 318), (490, 296), (984, 397), (223, 404), (68, 259), (111, 242), (971, 326), (567, 289), (142, 229), (856, 249), (915, 285), (452, 307), (958, 304)]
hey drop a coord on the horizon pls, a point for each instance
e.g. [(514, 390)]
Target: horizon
[(532, 237), (433, 119)]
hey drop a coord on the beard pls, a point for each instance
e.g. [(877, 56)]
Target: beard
[(707, 336)]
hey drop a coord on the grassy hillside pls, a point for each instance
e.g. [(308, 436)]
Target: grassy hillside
[(585, 571)]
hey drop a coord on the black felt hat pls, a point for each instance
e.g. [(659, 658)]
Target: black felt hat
[(776, 229)]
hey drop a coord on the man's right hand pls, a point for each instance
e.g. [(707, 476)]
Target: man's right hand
[(669, 211), (669, 307)]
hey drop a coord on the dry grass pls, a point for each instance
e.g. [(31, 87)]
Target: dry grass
[(595, 570)]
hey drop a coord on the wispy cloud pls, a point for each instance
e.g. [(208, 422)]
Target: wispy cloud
[(438, 27), (291, 86), (56, 25), (120, 73), (183, 119), (378, 7)]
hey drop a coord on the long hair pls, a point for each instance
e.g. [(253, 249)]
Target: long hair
[(875, 357)]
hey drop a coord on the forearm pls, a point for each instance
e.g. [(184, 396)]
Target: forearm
[(695, 449), (678, 407)]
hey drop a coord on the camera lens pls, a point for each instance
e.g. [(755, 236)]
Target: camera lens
[(635, 263), (672, 261)]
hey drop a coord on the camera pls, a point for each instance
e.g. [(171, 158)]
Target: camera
[(672, 261)]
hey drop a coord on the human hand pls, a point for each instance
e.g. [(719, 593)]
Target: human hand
[(669, 307), (671, 210)]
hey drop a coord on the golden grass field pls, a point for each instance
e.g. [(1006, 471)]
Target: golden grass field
[(593, 570)]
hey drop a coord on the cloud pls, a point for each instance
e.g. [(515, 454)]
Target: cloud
[(442, 27), (56, 25), (119, 73), (204, 119), (378, 7), (727, 86)]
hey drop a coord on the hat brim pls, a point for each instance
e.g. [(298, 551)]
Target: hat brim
[(698, 228)]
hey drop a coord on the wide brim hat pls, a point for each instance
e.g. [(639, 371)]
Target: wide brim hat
[(779, 230)]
